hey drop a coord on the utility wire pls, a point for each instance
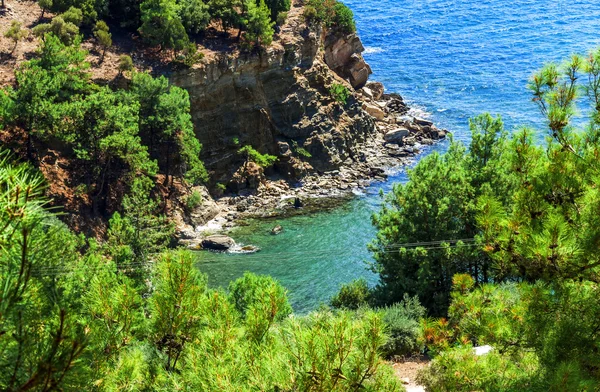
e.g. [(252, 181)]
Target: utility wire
[(391, 249)]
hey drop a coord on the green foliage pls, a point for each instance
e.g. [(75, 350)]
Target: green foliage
[(259, 26), (176, 304), (89, 10), (43, 338), (321, 11), (490, 372), (344, 18), (438, 208), (339, 92), (15, 33), (278, 7), (263, 160), (104, 37), (225, 12), (251, 293), (331, 13), (281, 18), (193, 200), (166, 124), (125, 63), (162, 25), (194, 15), (66, 31), (352, 296), (403, 327), (79, 322), (45, 5)]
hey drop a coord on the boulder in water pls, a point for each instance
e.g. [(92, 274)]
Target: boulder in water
[(218, 242), (396, 136), (276, 230)]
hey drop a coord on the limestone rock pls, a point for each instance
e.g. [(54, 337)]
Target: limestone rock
[(217, 242), (343, 55)]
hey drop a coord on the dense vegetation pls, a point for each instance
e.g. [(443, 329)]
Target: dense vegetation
[(503, 238), (119, 140), (74, 318), (169, 24)]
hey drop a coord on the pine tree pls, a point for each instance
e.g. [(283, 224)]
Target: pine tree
[(102, 34), (15, 33), (259, 25), (161, 24)]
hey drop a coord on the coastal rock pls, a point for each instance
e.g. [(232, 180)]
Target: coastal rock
[(343, 56), (366, 92), (248, 176), (374, 111), (218, 242), (206, 210), (376, 89), (396, 136), (422, 122), (277, 230)]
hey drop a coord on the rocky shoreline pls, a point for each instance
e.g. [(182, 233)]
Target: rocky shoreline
[(400, 136)]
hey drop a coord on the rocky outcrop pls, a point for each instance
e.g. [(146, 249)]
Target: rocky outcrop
[(218, 242), (343, 56), (279, 102)]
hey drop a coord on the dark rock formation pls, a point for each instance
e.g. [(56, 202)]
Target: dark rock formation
[(217, 242)]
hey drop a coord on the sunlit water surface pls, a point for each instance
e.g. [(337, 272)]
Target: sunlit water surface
[(453, 60)]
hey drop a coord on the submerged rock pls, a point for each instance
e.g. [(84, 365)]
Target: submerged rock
[(217, 242)]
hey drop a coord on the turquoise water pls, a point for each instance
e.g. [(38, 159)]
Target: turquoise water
[(453, 59)]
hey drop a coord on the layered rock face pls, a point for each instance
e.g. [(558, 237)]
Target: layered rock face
[(278, 101)]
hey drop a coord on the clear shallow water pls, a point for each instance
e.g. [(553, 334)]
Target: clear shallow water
[(453, 59)]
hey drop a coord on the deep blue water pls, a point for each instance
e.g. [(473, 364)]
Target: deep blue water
[(452, 59)]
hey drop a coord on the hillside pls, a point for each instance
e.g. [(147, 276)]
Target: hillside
[(276, 99)]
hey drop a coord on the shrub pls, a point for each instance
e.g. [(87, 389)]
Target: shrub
[(281, 17), (404, 331), (15, 33), (102, 34), (310, 13), (193, 200), (263, 160), (125, 63), (344, 18), (339, 92), (352, 295), (252, 292)]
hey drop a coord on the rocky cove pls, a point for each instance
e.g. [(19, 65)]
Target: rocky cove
[(279, 101)]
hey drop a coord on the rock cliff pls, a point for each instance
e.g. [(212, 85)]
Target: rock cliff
[(278, 101)]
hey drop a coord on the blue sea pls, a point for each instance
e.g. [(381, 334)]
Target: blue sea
[(452, 60)]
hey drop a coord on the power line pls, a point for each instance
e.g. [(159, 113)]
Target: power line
[(390, 249)]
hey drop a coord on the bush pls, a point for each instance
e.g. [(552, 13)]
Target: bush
[(402, 320), (193, 200), (263, 160), (281, 17), (339, 92), (252, 292), (352, 295), (344, 18), (459, 369), (125, 63)]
